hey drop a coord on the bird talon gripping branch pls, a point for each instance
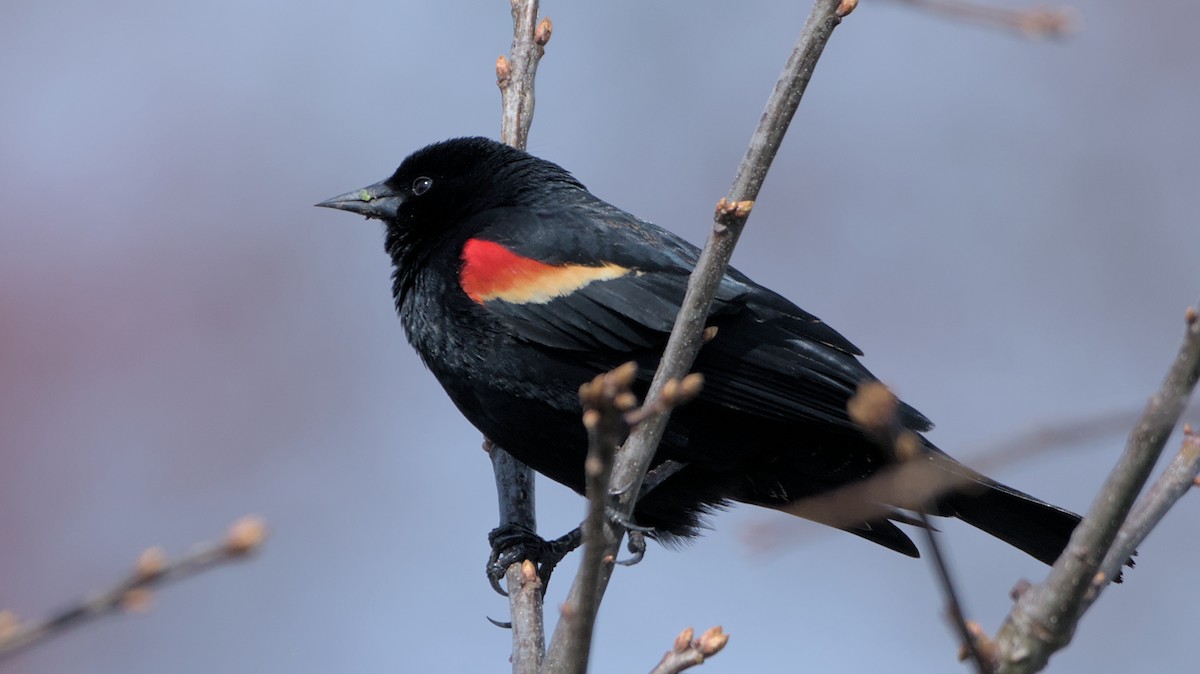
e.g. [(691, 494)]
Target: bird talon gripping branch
[(512, 543)]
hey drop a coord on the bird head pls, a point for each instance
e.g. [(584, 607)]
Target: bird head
[(443, 184)]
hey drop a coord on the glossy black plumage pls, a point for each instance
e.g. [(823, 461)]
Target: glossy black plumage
[(515, 285)]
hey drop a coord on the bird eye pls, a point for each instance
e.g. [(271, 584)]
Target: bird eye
[(421, 185)]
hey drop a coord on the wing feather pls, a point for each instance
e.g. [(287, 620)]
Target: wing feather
[(769, 358)]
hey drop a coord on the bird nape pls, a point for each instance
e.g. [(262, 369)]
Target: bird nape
[(515, 285)]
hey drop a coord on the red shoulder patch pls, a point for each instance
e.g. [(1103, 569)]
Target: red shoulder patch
[(492, 272)]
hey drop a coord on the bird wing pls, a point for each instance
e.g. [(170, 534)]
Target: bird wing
[(600, 281), (586, 278)]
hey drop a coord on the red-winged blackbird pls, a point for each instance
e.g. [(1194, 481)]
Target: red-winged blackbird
[(516, 285)]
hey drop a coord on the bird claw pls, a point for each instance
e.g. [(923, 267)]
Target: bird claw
[(616, 517), (512, 543), (637, 546)]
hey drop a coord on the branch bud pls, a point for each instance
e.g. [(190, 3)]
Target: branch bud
[(137, 600), (689, 388), (1019, 589), (624, 375), (908, 446), (625, 401), (150, 564), (503, 71), (670, 392), (712, 641), (8, 624), (542, 34), (873, 407), (683, 641), (983, 645), (246, 535), (529, 572)]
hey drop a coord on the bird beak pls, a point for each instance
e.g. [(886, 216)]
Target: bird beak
[(374, 201)]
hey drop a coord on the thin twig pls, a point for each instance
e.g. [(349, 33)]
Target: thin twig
[(1044, 618), (515, 74), (1031, 22), (514, 481), (687, 334), (970, 640), (1178, 479), (605, 401), (687, 652), (134, 592), (874, 409), (609, 412)]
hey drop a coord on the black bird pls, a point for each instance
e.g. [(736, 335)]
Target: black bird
[(516, 285)]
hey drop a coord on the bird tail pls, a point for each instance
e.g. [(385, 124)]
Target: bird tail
[(1024, 522)]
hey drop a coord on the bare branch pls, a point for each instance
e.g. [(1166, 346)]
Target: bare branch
[(1178, 478), (516, 499), (515, 74), (134, 592), (874, 409), (514, 480), (688, 333), (687, 652), (1032, 22), (525, 603), (1044, 618), (973, 647), (609, 411), (605, 399)]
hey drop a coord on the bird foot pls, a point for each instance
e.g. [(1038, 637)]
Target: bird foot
[(512, 543)]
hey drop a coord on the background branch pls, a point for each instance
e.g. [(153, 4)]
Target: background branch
[(133, 593), (686, 336), (1034, 22), (1044, 617), (857, 502)]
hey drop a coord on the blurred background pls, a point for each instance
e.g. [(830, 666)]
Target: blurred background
[(1006, 227)]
